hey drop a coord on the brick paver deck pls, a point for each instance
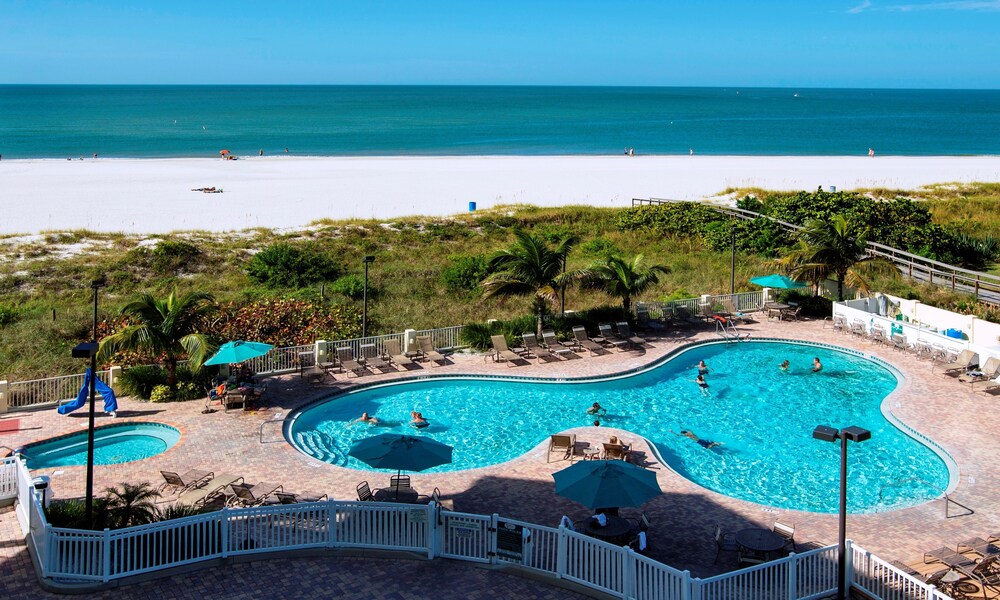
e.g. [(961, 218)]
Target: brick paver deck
[(684, 518)]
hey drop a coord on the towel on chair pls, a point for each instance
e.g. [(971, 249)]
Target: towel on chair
[(601, 519), (642, 541)]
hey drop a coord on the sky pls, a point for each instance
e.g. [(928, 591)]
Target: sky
[(768, 43)]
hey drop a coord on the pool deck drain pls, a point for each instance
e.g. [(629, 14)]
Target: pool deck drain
[(683, 519)]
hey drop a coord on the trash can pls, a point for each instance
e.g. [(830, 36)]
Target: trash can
[(472, 207), (41, 484), (831, 188), (954, 333)]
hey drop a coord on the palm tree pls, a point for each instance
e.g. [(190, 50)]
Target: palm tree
[(621, 278), (530, 268), (130, 505), (167, 327), (836, 248)]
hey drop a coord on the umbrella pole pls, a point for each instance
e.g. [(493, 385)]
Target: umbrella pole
[(398, 471)]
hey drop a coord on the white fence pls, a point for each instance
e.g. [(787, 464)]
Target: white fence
[(279, 360), (444, 337), (743, 302), (102, 556), (355, 344), (46, 391)]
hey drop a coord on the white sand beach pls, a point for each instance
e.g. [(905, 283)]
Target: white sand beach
[(154, 195)]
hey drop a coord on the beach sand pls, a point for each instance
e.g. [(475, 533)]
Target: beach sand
[(154, 195)]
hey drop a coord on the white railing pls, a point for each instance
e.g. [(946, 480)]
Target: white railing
[(355, 344), (444, 338), (914, 334), (593, 563), (465, 536), (8, 478), (279, 360), (46, 391), (878, 578), (743, 302)]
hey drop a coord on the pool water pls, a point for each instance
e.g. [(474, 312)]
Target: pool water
[(762, 416), (112, 445)]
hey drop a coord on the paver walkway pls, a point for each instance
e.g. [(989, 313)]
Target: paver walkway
[(684, 518)]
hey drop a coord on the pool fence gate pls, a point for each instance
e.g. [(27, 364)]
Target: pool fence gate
[(79, 559)]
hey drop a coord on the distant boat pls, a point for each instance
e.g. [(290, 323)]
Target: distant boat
[(795, 95)]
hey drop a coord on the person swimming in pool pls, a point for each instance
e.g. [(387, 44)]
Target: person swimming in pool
[(597, 409), (702, 368), (366, 418), (417, 420), (817, 366), (702, 385), (784, 366), (703, 443)]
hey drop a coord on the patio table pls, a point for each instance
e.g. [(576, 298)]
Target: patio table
[(404, 496), (760, 541), (617, 527)]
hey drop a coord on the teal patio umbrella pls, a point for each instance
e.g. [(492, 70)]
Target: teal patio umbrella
[(777, 281), (238, 351), (401, 452), (606, 484)]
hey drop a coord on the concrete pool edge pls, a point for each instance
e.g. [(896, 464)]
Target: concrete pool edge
[(901, 384), (143, 427)]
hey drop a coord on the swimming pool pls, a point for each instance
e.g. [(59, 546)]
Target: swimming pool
[(113, 444), (763, 416)]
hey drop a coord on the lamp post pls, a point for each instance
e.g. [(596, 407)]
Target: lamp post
[(732, 264), (364, 310), (89, 350), (562, 304), (855, 434)]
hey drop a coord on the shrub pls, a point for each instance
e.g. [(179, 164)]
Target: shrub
[(812, 306), (288, 322), (8, 314), (352, 286), (477, 335), (169, 257), (187, 390), (140, 381), (200, 379), (599, 247), (464, 272), (161, 393), (284, 265)]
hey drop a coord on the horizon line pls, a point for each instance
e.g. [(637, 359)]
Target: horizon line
[(505, 85)]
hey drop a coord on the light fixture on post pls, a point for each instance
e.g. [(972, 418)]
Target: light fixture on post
[(854, 434), (732, 263), (89, 350), (364, 310)]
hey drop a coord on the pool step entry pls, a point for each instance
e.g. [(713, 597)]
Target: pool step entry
[(314, 445)]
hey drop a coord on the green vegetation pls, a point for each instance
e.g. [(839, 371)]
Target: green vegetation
[(624, 279), (124, 505), (286, 266)]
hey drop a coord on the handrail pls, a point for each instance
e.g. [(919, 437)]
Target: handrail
[(985, 286), (948, 500)]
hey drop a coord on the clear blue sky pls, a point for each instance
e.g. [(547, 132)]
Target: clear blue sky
[(794, 43)]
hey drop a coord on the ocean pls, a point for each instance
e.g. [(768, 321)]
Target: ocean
[(191, 121)]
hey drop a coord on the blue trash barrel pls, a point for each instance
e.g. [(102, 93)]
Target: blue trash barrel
[(472, 207)]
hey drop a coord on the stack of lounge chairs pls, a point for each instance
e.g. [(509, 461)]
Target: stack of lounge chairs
[(199, 488)]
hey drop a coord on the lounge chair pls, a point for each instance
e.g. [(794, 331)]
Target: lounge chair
[(178, 484), (534, 348), (372, 358), (965, 361), (990, 386), (365, 492), (647, 322), (251, 495), (428, 350), (858, 328), (787, 533), (206, 493), (294, 498), (625, 333), (734, 313), (584, 341), (986, 574), (615, 452), (345, 356), (562, 443), (877, 336), (554, 344), (502, 352), (898, 341), (396, 355), (611, 337), (947, 556), (987, 371), (979, 546)]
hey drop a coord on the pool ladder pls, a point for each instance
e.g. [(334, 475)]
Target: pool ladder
[(948, 500), (727, 330)]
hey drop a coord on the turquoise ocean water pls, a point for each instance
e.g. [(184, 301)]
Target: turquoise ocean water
[(173, 121)]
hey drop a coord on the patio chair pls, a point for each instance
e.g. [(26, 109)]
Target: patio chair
[(625, 333), (986, 574), (245, 495), (611, 337), (553, 343), (839, 323), (858, 328), (373, 359), (428, 351), (791, 314), (365, 492), (534, 348), (177, 484), (615, 452), (399, 482), (965, 361), (214, 487), (396, 355), (877, 336), (786, 532), (725, 542), (584, 341), (734, 313), (562, 443), (345, 356), (987, 371), (898, 341), (502, 352)]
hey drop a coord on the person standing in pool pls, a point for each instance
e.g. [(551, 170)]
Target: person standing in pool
[(366, 418), (702, 368), (597, 409), (817, 366), (702, 385), (784, 366)]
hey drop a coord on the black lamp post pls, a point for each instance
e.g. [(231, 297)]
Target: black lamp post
[(364, 310), (562, 304), (89, 350), (732, 265), (855, 434)]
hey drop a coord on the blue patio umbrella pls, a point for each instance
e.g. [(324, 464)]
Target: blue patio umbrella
[(401, 452), (238, 351), (777, 281), (606, 484)]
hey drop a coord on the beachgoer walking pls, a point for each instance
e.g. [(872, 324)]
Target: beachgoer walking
[(871, 152), (631, 151), (260, 152), (691, 151)]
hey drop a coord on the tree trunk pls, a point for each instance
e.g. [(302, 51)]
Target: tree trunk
[(840, 287), (171, 364), (627, 305)]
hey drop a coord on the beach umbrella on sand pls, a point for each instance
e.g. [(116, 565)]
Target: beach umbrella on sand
[(606, 484), (238, 351), (777, 281), (224, 152), (401, 452)]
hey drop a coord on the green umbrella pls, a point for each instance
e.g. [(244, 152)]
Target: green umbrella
[(777, 281), (606, 484), (237, 352), (401, 452)]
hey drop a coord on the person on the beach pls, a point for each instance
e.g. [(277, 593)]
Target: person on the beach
[(631, 151), (817, 366), (784, 365), (702, 368), (871, 152), (286, 150), (366, 418), (260, 152), (596, 409), (702, 385), (691, 151), (701, 442)]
